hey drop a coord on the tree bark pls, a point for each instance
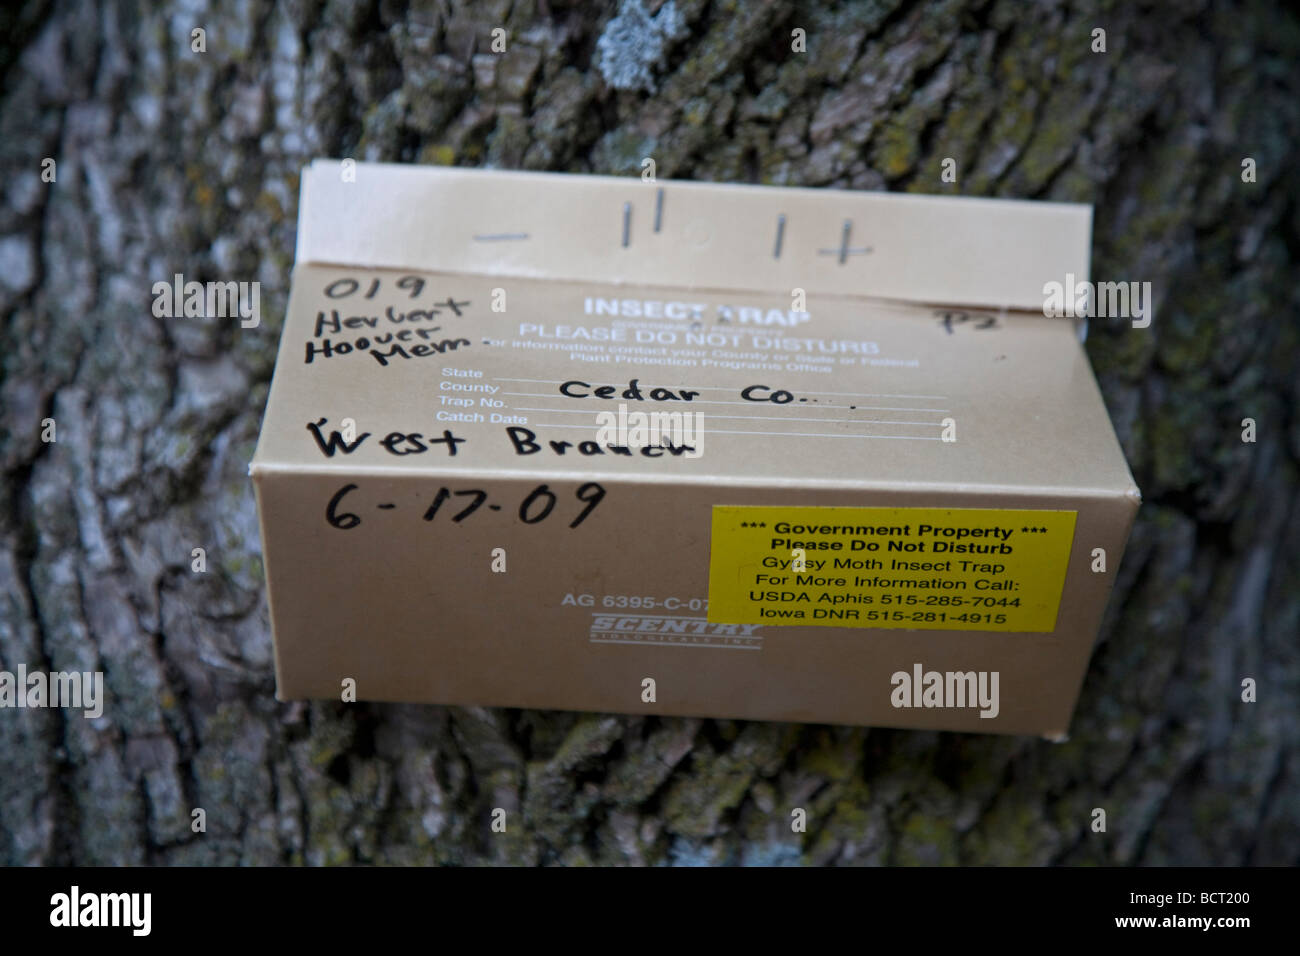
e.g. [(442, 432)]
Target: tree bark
[(170, 160)]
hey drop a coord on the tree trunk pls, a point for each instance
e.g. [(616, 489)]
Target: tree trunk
[(172, 160)]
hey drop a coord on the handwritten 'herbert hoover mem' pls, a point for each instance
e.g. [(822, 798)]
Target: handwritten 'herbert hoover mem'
[(619, 449)]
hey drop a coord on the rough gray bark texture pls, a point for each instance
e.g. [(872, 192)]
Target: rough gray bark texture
[(171, 161)]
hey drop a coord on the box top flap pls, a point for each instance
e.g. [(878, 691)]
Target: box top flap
[(932, 249)]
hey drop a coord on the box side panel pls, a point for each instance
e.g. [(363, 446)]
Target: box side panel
[(279, 550), (493, 609)]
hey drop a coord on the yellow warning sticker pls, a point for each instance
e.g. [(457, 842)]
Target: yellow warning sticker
[(956, 569)]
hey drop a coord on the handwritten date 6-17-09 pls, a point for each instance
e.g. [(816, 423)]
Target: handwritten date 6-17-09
[(533, 509)]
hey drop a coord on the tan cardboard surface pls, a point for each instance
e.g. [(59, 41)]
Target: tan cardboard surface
[(560, 558), (413, 612), (871, 383), (921, 248)]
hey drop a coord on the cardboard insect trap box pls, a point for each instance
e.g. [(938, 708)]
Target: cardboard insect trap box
[(592, 443)]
